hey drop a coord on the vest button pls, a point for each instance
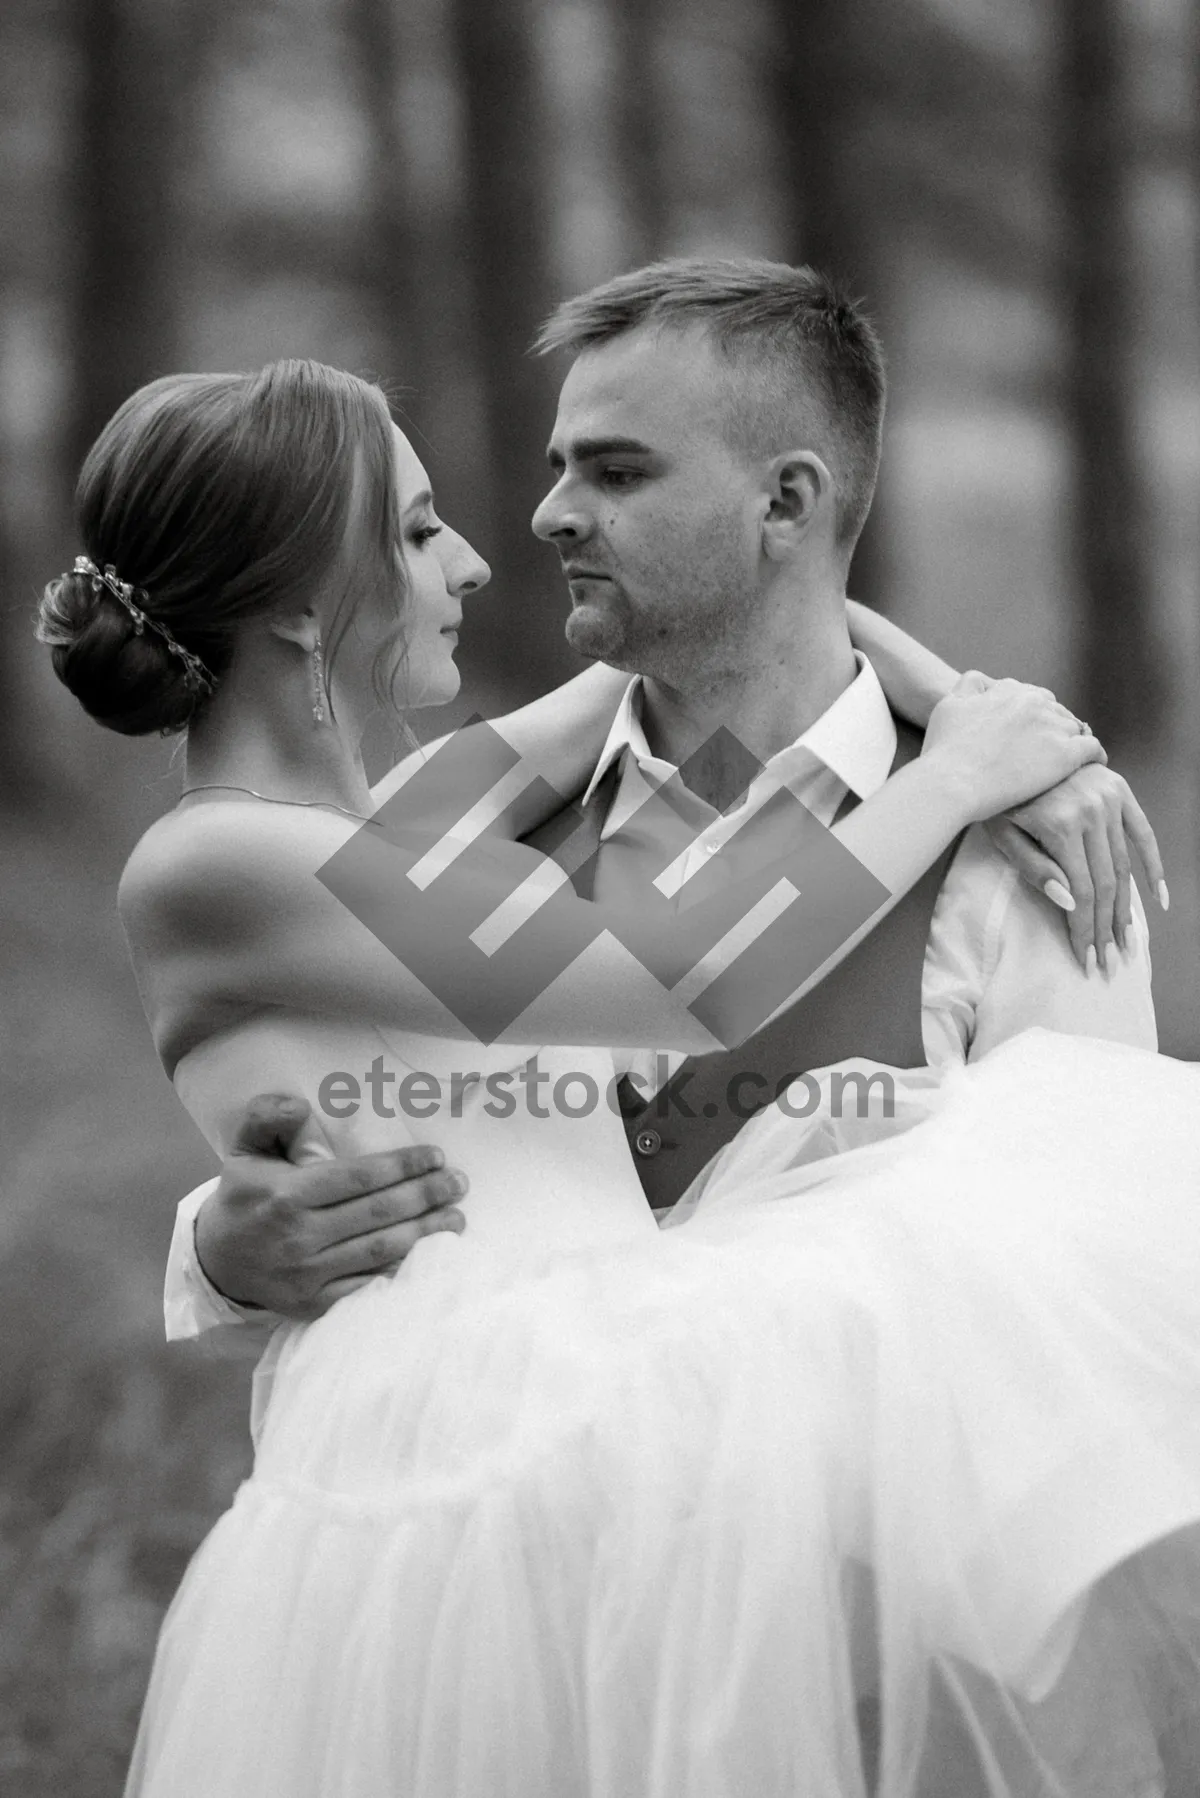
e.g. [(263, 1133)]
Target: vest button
[(647, 1142)]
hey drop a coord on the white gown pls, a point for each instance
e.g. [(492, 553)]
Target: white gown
[(878, 1473)]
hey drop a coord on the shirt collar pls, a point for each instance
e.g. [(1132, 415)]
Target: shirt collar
[(855, 738), (624, 733)]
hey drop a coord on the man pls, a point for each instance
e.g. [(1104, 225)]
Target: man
[(715, 455), (716, 451)]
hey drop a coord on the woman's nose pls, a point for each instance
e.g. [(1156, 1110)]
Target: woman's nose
[(470, 571)]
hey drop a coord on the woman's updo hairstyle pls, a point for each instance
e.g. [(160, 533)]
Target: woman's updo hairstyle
[(220, 498)]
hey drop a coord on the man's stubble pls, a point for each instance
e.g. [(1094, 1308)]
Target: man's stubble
[(691, 608)]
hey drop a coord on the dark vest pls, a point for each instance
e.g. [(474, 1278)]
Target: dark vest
[(870, 1005)]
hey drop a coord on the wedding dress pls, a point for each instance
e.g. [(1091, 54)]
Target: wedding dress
[(876, 1470)]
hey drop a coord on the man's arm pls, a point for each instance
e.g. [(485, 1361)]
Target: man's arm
[(999, 962), (290, 1239), (191, 1303)]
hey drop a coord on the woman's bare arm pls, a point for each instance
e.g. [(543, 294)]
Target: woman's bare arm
[(234, 906), (913, 677), (1075, 843), (559, 737)]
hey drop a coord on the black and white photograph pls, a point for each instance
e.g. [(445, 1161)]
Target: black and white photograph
[(600, 784)]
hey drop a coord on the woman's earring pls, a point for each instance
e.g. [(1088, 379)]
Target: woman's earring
[(318, 680)]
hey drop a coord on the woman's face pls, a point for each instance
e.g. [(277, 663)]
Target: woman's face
[(442, 570)]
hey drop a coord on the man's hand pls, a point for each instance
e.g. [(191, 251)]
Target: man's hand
[(1075, 843), (292, 1234)]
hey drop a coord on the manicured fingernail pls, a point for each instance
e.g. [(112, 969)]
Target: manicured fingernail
[(1054, 889), (1090, 963), (1110, 959), (1164, 898)]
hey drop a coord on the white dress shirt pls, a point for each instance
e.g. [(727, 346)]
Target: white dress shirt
[(998, 959)]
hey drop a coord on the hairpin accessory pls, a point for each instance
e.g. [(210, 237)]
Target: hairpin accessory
[(318, 682), (196, 675)]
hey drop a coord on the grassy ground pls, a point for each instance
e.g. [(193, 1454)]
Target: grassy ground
[(117, 1451), (118, 1456)]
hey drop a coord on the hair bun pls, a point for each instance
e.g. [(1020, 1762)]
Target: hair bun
[(128, 679)]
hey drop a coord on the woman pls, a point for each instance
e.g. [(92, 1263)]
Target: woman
[(571, 1506)]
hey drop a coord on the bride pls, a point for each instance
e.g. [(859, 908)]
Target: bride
[(833, 1490)]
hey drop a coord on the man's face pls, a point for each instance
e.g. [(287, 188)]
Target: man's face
[(653, 513)]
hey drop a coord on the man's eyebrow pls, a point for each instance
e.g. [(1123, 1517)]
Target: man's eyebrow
[(424, 498), (586, 449)]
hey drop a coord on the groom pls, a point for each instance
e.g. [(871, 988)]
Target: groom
[(715, 455)]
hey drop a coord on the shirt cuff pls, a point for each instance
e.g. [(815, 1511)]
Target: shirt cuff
[(191, 1303)]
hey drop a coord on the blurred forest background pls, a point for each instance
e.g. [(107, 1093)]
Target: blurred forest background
[(404, 187)]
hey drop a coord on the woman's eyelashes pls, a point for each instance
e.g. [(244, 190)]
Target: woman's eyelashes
[(425, 533)]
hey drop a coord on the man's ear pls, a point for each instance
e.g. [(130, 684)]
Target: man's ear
[(301, 626), (799, 489)]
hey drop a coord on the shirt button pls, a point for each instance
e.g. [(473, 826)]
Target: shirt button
[(647, 1142)]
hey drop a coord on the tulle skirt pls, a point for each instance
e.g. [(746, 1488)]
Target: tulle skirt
[(876, 1475)]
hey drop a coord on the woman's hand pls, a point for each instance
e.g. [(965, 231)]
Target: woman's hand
[(1005, 742), (1074, 843)]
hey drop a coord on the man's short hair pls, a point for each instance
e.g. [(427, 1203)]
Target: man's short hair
[(807, 354)]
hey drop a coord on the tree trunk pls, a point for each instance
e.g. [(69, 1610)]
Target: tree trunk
[(390, 260), (638, 101), (1122, 677), (818, 72), (132, 110), (412, 253), (506, 270), (25, 542)]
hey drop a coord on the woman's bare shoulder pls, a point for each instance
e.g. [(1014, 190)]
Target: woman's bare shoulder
[(209, 867), (209, 891)]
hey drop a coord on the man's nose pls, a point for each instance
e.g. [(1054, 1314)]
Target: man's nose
[(557, 521)]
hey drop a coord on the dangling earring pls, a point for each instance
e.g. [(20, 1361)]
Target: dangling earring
[(318, 681)]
